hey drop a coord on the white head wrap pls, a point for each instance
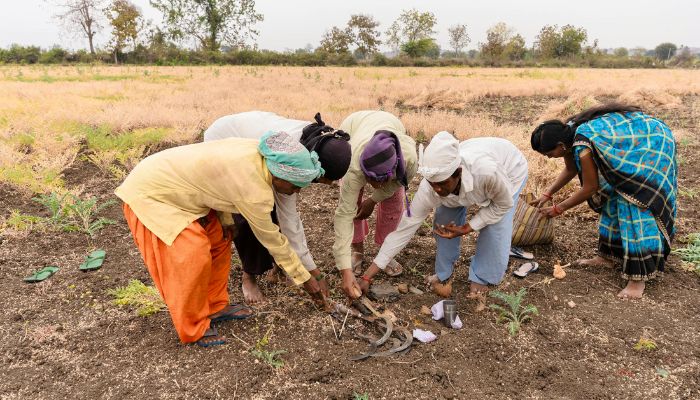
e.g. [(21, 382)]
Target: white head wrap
[(440, 159)]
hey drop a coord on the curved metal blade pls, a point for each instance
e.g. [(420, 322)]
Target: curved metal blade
[(405, 345)]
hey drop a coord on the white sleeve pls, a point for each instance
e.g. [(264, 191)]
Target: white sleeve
[(424, 201), (292, 227), (497, 189)]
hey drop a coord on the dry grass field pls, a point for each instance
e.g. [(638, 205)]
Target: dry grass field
[(77, 131)]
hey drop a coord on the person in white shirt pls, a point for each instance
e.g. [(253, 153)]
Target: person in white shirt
[(333, 149), (486, 172)]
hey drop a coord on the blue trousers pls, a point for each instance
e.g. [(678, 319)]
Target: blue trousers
[(490, 261)]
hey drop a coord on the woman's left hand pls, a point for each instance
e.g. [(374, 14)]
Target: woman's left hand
[(551, 212), (451, 231)]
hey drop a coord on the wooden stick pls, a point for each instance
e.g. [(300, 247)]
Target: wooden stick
[(333, 326), (342, 328)]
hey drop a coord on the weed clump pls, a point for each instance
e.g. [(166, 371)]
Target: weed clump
[(145, 299)]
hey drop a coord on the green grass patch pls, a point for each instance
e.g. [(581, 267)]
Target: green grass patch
[(144, 299), (103, 138), (23, 175), (22, 222), (691, 253)]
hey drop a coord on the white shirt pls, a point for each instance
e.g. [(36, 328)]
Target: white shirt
[(253, 125), (493, 170)]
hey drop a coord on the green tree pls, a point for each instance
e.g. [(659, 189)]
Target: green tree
[(336, 41), (363, 31), (555, 42), (621, 52), (514, 49), (425, 47), (126, 22), (211, 23), (665, 51), (572, 40), (82, 17), (459, 38), (411, 26), (497, 37)]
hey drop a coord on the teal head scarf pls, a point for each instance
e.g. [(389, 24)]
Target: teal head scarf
[(288, 159)]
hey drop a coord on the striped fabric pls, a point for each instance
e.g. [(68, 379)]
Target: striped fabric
[(528, 227), (636, 159)]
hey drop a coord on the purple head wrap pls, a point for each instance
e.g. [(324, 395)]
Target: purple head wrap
[(382, 160)]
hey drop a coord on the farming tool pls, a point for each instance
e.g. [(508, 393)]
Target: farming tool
[(364, 310)]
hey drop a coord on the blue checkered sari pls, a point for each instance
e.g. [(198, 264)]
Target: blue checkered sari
[(636, 159)]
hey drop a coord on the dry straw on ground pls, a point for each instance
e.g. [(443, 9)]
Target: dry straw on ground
[(45, 112)]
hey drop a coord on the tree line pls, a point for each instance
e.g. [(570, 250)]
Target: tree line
[(223, 31)]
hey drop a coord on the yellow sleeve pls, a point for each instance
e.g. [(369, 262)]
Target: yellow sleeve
[(269, 235)]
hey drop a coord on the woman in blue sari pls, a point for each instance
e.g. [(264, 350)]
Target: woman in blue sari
[(626, 163)]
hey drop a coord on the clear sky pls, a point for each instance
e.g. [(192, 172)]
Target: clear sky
[(291, 24)]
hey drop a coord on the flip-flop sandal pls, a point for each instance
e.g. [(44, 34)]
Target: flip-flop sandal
[(214, 332), (525, 269), (93, 261), (357, 264), (41, 274), (231, 315), (393, 268), (517, 252)]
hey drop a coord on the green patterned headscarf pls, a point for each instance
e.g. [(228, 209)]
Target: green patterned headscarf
[(288, 159)]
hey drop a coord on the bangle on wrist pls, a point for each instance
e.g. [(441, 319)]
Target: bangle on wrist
[(366, 278), (547, 195), (320, 277), (557, 209)]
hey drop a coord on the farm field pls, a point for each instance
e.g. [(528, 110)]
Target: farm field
[(75, 132)]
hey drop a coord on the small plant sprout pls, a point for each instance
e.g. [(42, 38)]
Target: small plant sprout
[(645, 345), (272, 358), (360, 396), (515, 313)]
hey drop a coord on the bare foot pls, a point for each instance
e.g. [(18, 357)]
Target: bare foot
[(429, 280), (275, 275), (596, 261), (633, 290), (251, 290), (477, 290)]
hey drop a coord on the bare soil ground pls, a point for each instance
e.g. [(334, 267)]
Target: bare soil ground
[(64, 338)]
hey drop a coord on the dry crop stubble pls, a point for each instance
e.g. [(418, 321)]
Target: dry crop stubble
[(54, 105)]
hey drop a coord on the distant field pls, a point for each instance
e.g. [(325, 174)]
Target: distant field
[(53, 109)]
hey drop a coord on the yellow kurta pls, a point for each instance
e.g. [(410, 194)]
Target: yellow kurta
[(361, 126), (169, 190)]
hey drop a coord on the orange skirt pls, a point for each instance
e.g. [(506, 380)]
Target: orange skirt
[(191, 275)]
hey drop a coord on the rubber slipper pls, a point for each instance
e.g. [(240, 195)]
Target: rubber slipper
[(93, 261), (214, 332), (393, 268), (231, 314), (517, 252), (525, 269), (41, 274)]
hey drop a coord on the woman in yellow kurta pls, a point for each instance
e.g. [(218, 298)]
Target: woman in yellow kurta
[(169, 200)]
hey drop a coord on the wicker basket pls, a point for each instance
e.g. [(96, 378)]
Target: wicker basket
[(528, 227)]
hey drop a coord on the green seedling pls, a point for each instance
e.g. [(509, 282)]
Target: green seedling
[(515, 313), (360, 396), (271, 357), (691, 253), (145, 299), (645, 345), (84, 215)]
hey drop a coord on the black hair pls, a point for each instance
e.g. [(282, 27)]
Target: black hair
[(549, 134)]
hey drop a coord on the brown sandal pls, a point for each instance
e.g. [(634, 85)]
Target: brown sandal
[(393, 268)]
